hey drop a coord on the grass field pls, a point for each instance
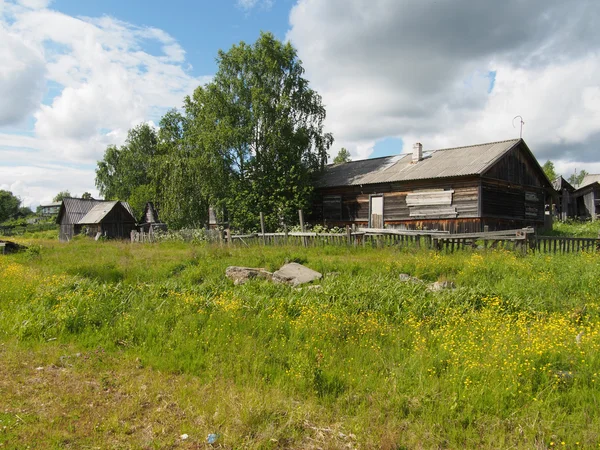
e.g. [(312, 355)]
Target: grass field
[(113, 345)]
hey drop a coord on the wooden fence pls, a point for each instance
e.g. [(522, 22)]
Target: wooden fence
[(561, 244), (523, 240)]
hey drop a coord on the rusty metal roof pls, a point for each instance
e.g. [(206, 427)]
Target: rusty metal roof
[(442, 163), (101, 210)]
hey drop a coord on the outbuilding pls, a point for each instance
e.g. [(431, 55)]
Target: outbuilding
[(113, 219)]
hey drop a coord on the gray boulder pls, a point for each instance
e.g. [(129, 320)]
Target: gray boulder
[(239, 275), (406, 278), (295, 274)]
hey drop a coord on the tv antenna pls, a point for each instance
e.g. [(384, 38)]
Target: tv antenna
[(522, 123)]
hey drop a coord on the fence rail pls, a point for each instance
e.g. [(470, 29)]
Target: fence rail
[(523, 240)]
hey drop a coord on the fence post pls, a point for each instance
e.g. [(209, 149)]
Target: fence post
[(349, 235), (228, 236), (262, 227), (301, 216)]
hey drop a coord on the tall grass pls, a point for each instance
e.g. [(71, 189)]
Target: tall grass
[(508, 358)]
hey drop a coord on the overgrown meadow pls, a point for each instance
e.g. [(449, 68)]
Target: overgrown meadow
[(108, 344)]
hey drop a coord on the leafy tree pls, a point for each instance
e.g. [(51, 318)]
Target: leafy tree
[(24, 211), (258, 130), (9, 205), (86, 196), (61, 195), (577, 178), (549, 170), (125, 168), (184, 172), (343, 156)]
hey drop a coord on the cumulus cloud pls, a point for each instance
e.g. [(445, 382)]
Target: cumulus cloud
[(83, 82), (21, 78), (425, 71)]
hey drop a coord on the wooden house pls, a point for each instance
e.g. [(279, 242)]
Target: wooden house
[(50, 209), (109, 218), (499, 184), (586, 199)]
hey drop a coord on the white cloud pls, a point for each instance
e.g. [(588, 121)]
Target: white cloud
[(251, 4), (21, 77), (421, 71), (103, 82)]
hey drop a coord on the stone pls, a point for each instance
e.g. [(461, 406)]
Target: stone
[(295, 274), (441, 286), (406, 278), (240, 275)]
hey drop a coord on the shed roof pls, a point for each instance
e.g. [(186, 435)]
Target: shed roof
[(589, 179), (560, 183), (75, 209), (442, 163), (101, 210)]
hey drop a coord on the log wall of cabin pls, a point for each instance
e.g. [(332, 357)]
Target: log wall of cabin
[(460, 216)]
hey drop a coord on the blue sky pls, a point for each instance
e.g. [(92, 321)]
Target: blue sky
[(77, 74)]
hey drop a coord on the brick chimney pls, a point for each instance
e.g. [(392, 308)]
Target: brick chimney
[(417, 154)]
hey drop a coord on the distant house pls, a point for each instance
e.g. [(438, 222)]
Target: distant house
[(149, 221), (585, 200), (463, 189), (50, 209), (112, 219)]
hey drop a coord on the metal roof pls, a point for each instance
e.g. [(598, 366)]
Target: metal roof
[(100, 211), (589, 179), (74, 209), (442, 163)]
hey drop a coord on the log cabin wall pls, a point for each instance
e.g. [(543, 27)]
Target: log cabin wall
[(407, 205), (513, 193)]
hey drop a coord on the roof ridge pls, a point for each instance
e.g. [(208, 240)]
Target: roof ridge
[(473, 145)]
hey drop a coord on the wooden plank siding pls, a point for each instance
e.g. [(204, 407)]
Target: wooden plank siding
[(397, 213)]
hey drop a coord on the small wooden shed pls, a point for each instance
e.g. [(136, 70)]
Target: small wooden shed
[(586, 199), (110, 218)]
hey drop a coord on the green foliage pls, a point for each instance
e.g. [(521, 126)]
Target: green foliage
[(343, 156), (577, 178), (9, 205), (61, 196), (127, 167), (549, 170), (86, 196), (261, 127), (576, 228), (249, 141)]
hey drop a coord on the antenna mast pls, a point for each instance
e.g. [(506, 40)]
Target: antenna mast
[(522, 123)]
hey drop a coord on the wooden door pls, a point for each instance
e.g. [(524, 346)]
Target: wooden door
[(376, 207)]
